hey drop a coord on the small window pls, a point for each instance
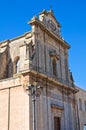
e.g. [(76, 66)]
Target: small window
[(54, 60), (57, 123), (16, 64), (84, 127), (85, 105), (54, 66), (80, 104)]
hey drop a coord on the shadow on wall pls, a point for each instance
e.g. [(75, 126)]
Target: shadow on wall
[(6, 65)]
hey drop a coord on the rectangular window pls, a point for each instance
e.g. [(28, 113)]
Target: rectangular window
[(57, 123)]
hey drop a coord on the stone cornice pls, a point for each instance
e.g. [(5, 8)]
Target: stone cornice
[(50, 79), (16, 81), (4, 43), (16, 38), (24, 35), (36, 21), (10, 82), (52, 14), (57, 106)]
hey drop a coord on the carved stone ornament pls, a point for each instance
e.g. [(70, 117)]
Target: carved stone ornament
[(51, 25)]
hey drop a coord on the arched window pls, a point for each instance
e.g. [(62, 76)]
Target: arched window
[(16, 64), (54, 66), (80, 104), (54, 59)]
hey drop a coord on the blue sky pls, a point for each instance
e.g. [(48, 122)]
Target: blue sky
[(71, 14)]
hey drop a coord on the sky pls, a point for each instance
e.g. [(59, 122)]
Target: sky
[(71, 14)]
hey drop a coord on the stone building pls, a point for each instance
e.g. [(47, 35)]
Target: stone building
[(40, 56), (81, 106)]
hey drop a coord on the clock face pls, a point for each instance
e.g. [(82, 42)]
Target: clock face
[(51, 25)]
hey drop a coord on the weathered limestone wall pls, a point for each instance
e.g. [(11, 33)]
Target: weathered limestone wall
[(18, 48), (4, 109), (55, 101), (54, 105), (14, 106), (82, 113), (45, 44), (10, 51)]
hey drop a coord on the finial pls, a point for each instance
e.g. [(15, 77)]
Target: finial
[(34, 18), (51, 10), (50, 7)]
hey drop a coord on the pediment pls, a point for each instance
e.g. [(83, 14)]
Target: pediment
[(50, 21)]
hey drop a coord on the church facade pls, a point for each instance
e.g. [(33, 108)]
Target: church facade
[(40, 58)]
